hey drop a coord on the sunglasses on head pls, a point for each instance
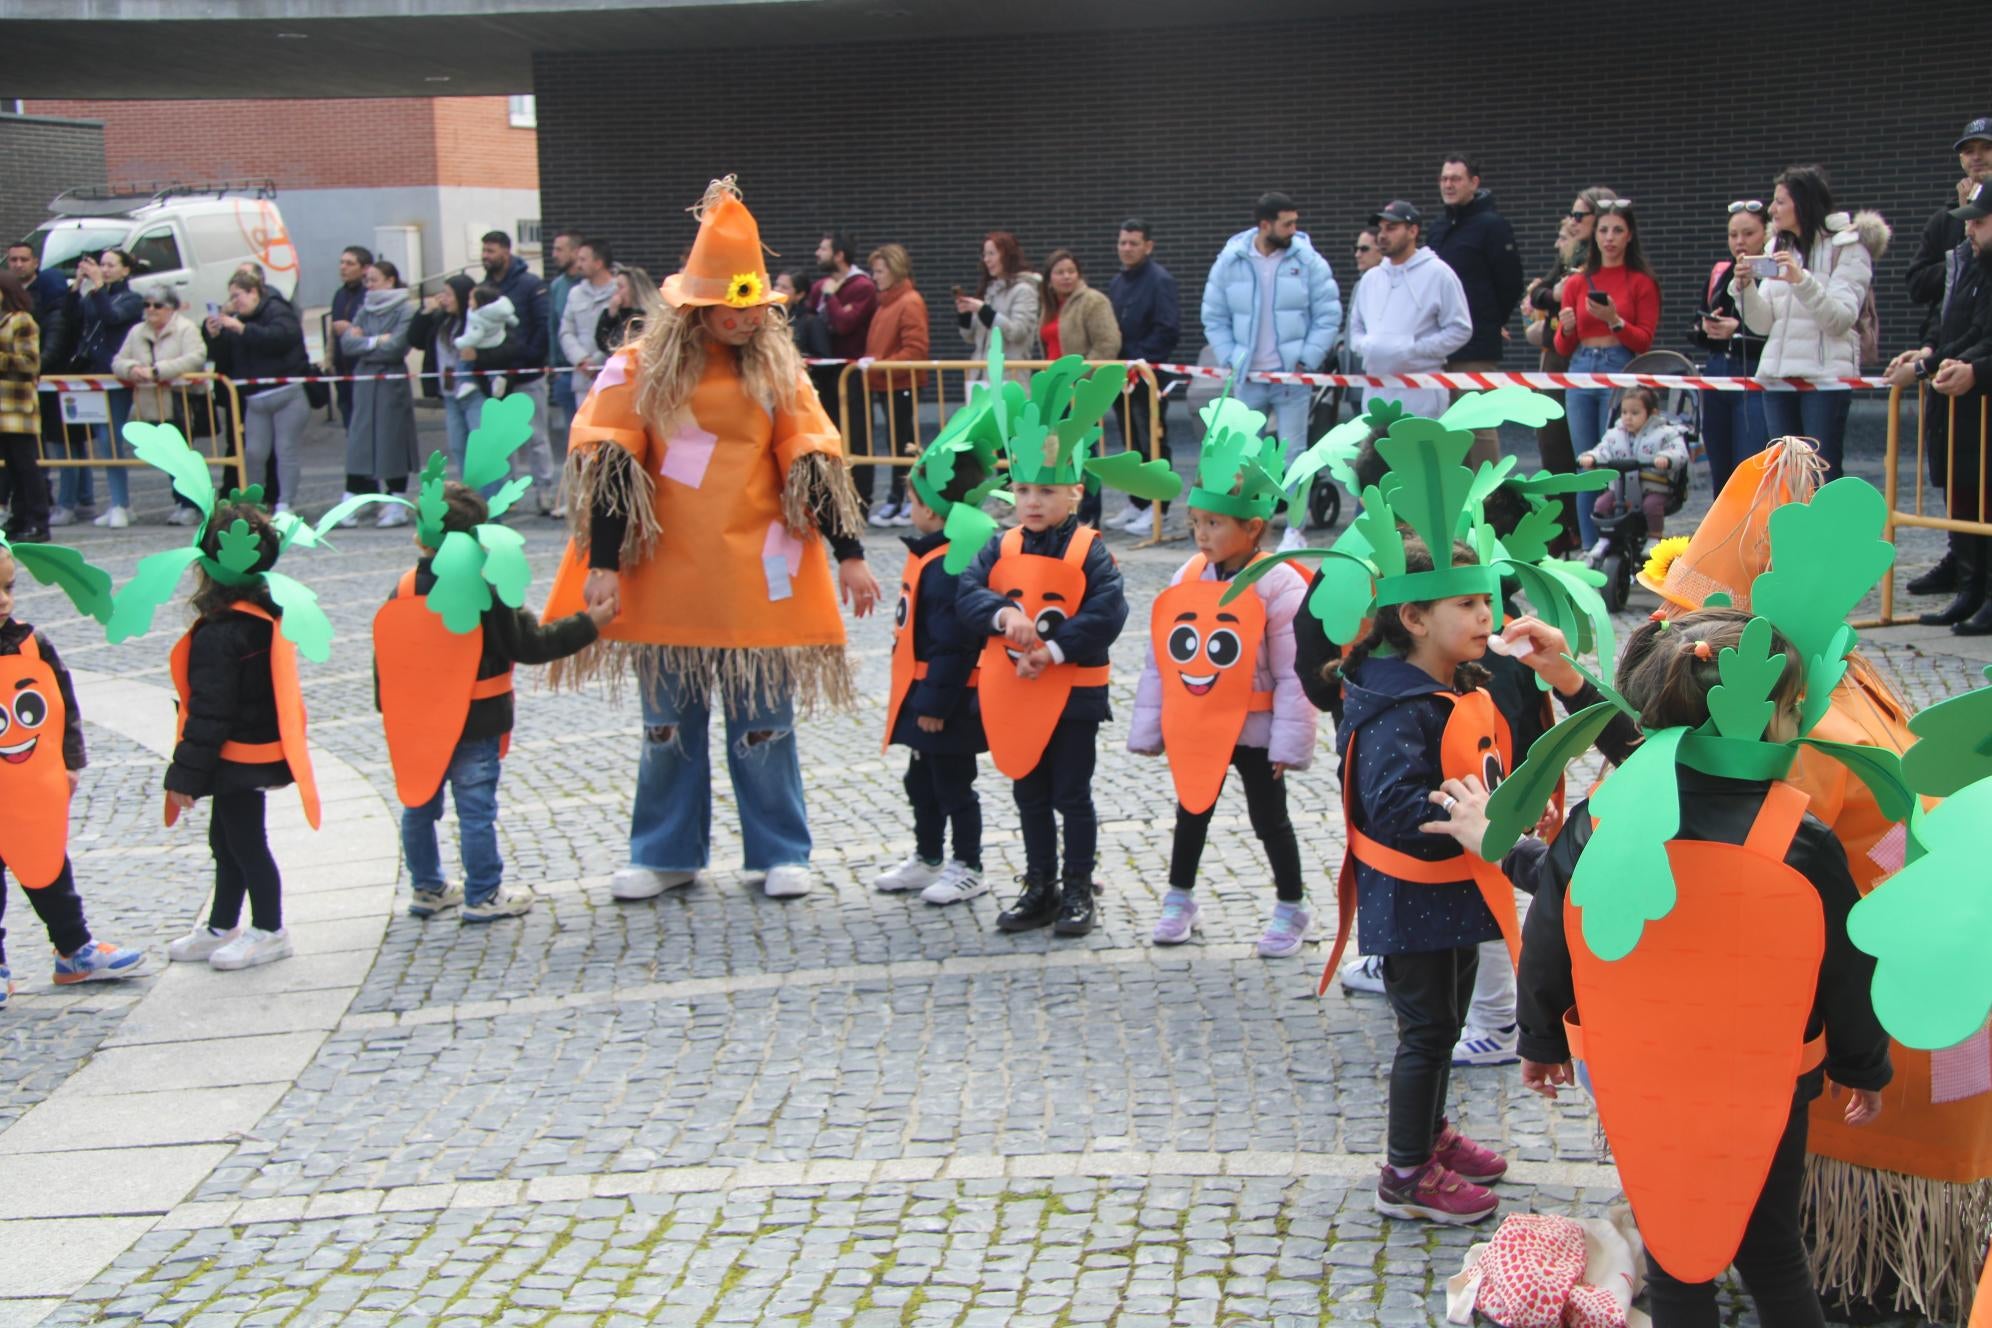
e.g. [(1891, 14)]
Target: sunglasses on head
[(1746, 205), (1615, 205)]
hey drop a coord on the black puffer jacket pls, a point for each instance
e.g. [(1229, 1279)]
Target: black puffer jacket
[(1720, 811), (270, 345), (230, 699)]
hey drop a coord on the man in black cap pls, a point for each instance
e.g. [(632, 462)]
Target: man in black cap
[(1942, 235), (1409, 312), (1957, 364)]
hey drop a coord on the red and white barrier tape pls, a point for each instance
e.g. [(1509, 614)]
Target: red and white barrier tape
[(1467, 382)]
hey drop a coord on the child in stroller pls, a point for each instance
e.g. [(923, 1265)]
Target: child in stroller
[(1646, 448)]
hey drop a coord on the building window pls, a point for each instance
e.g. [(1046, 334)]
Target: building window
[(10, 106), (523, 112), (528, 233)]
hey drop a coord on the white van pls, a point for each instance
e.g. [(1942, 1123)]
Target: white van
[(189, 237)]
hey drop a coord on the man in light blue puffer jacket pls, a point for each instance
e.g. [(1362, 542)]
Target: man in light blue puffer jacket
[(1271, 303)]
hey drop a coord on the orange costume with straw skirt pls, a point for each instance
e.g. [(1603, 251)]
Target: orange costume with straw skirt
[(1906, 1200)]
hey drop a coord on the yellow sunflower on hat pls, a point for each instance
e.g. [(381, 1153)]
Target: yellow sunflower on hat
[(1663, 556), (744, 290)]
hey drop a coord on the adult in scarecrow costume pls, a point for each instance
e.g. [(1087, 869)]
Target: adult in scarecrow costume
[(1898, 1210), (711, 496)]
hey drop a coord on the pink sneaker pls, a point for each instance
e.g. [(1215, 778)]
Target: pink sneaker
[(1468, 1160), (1433, 1194)]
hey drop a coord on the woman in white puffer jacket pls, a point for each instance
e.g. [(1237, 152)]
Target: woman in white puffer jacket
[(1808, 314)]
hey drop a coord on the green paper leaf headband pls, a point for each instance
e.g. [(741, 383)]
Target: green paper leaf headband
[(972, 431), (238, 550), (1237, 455), (63, 568)]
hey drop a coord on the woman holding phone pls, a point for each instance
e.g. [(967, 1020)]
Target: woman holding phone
[(1610, 311), (1809, 311), (1733, 426)]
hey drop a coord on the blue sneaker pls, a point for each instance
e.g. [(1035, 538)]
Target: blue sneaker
[(99, 961), (1180, 917), (1286, 932), (6, 985)]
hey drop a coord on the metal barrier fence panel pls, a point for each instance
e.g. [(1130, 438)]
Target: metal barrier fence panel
[(206, 407), (906, 387), (1943, 415)]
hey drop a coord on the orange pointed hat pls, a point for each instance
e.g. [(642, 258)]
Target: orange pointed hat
[(1732, 545), (727, 264)]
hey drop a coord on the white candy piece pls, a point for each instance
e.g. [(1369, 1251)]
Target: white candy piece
[(1521, 649)]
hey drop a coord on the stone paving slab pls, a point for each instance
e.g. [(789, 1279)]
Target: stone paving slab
[(185, 1116)]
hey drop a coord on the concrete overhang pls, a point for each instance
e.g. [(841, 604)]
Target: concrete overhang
[(428, 48)]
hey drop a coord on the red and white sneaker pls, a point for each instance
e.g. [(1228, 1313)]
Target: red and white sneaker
[(1433, 1194), (1468, 1160)]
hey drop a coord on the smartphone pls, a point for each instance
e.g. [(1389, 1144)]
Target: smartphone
[(1764, 267), (1596, 297), (214, 310), (959, 292)]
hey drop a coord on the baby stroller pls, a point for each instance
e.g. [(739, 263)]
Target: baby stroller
[(1624, 536)]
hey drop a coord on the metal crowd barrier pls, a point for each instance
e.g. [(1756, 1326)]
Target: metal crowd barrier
[(206, 407), (945, 384), (1943, 413)]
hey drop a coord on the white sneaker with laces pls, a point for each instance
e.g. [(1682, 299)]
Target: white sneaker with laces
[(882, 515), (1295, 538), (391, 515), (1137, 520), (912, 874), (198, 944), (118, 518), (62, 516), (1364, 973), (788, 882), (647, 883), (1480, 1046), (511, 901), (251, 948), (902, 515), (184, 516), (959, 883)]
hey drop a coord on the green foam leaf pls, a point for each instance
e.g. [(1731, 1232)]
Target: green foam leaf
[(1825, 557), (1740, 706), (505, 565), (1878, 768), (63, 568), (503, 426), (1131, 473), (969, 529), (304, 623), (1427, 487), (347, 507), (1518, 804), (1335, 452), (151, 585), (1624, 879), (1929, 927), (162, 445), (460, 595), (1529, 541), (1954, 743), (1502, 405), (239, 547), (1344, 595), (1376, 525), (508, 493)]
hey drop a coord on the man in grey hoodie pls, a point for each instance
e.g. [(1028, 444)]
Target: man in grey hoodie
[(586, 299), (1409, 311)]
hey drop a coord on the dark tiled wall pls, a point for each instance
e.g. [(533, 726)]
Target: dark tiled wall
[(1059, 136), (44, 157)]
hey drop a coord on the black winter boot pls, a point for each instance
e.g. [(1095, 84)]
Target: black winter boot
[(1036, 907), (1970, 554), (1978, 624), (1075, 909), (1941, 579)]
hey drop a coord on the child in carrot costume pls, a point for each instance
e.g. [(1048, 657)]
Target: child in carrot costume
[(1048, 598), (242, 717), (1219, 689), (41, 749), (933, 710), (444, 647), (1705, 937)]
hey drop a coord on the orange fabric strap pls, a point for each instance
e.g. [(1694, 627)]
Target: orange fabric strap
[(1777, 821), (486, 688), (1418, 871), (1810, 1058), (252, 753), (1259, 701), (920, 671)]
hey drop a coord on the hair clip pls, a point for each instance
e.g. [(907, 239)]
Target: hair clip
[(1660, 616), (1702, 652)]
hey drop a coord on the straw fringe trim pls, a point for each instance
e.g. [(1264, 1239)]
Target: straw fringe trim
[(611, 476), (821, 483), (744, 677), (1866, 1224)]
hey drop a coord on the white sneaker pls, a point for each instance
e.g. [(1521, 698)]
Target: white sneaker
[(198, 944), (1295, 538), (1479, 1046), (282, 509), (62, 516), (959, 883), (352, 519), (1137, 520), (511, 901), (115, 519), (912, 874), (251, 948), (184, 516), (789, 881), (391, 515), (902, 515), (881, 516), (646, 883), (1364, 973)]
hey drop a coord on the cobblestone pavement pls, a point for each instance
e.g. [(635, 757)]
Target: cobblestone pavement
[(719, 1108)]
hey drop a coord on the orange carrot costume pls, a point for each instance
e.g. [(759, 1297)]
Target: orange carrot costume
[(428, 680), (724, 577), (291, 747), (34, 783), (1905, 1202)]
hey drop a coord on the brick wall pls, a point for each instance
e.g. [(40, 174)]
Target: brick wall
[(314, 143), (1060, 140), (44, 157)]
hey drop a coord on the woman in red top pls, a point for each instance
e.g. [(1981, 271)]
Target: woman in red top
[(1610, 312)]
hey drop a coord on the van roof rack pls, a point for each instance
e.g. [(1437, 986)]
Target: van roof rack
[(110, 200)]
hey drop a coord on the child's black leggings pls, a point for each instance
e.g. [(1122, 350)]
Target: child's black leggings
[(1429, 993), (242, 864), (1266, 804), (58, 906)]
